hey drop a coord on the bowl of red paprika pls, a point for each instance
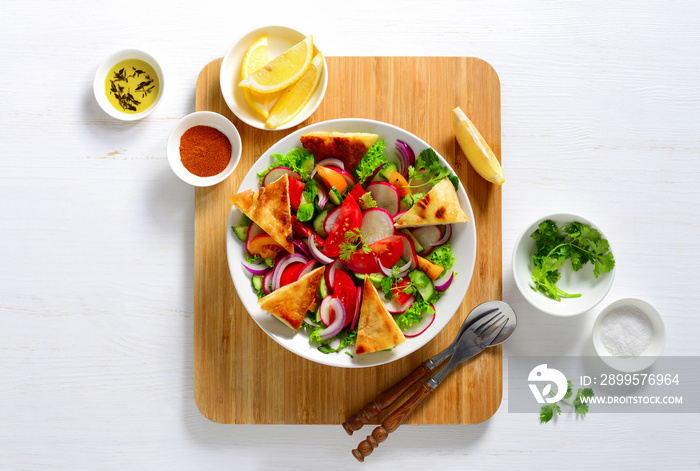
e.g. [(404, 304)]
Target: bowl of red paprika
[(204, 148)]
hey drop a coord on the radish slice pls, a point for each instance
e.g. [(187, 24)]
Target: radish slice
[(255, 268), (338, 321), (331, 219), (395, 308), (444, 282), (377, 224), (308, 268), (274, 174), (427, 236), (386, 196), (283, 263), (398, 215), (417, 329), (356, 316), (253, 230), (301, 248), (315, 253), (267, 282)]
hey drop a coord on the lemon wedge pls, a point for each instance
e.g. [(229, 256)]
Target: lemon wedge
[(295, 97), (283, 70), (254, 59), (478, 152)]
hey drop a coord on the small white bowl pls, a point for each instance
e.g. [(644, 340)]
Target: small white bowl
[(631, 364), (203, 118), (592, 289), (105, 68), (280, 38)]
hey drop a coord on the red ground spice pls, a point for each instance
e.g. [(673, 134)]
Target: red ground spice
[(205, 151)]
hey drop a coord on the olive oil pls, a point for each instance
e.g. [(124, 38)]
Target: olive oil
[(132, 86)]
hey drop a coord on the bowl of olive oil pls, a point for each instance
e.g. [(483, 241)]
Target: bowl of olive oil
[(129, 84)]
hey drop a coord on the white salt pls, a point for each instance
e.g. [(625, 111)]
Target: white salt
[(626, 331)]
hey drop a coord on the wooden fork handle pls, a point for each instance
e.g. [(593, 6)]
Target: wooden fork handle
[(385, 399), (391, 423)]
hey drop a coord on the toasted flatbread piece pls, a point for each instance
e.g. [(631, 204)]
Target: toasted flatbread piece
[(290, 303), (270, 209), (349, 147), (377, 329), (439, 206)]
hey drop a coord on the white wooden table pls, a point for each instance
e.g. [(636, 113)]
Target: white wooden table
[(600, 116)]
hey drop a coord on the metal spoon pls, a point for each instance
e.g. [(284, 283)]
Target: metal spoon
[(389, 396), (478, 336)]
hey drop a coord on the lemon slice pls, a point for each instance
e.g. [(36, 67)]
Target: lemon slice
[(476, 149), (254, 59), (296, 96), (283, 70)]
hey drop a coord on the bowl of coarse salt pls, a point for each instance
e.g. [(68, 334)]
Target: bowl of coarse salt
[(629, 335)]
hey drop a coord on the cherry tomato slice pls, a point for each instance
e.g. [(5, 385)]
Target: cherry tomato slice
[(349, 218), (344, 289), (303, 230), (388, 250)]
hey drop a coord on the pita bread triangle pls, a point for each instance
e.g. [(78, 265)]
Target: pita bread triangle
[(438, 206), (291, 302), (377, 329), (270, 209), (349, 147)]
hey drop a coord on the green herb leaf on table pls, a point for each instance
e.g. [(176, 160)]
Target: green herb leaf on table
[(580, 403)]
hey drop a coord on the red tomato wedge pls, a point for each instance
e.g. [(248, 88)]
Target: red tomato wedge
[(303, 230), (387, 250), (344, 289), (296, 188), (291, 273), (356, 192), (398, 294), (349, 218)]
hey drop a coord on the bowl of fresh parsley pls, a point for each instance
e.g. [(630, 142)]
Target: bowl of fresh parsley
[(563, 264)]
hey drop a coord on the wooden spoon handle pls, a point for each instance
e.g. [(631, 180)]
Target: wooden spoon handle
[(391, 423), (385, 399)]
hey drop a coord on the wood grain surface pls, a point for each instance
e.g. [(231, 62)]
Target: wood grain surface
[(240, 374)]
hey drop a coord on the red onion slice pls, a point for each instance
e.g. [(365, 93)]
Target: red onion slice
[(280, 266), (395, 308), (322, 194), (255, 268), (338, 322), (315, 253), (444, 282), (403, 270), (330, 273), (301, 247), (445, 237), (324, 311), (310, 266)]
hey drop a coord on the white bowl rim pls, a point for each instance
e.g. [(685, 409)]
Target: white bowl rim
[(541, 302), (205, 118), (101, 74), (224, 78), (653, 351)]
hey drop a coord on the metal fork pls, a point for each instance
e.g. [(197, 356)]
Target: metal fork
[(476, 338)]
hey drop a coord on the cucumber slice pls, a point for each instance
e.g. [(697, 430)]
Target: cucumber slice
[(322, 289), (241, 232), (308, 165), (318, 223), (334, 196), (257, 282), (388, 170), (423, 284)]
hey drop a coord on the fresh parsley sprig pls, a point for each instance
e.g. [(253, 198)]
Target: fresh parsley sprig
[(354, 241), (577, 242), (580, 403)]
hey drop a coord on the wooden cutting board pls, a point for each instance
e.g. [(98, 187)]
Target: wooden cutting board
[(241, 376)]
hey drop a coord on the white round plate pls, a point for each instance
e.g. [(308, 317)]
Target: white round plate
[(280, 38), (592, 289), (463, 243)]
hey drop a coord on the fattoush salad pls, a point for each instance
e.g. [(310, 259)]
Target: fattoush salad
[(350, 242)]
